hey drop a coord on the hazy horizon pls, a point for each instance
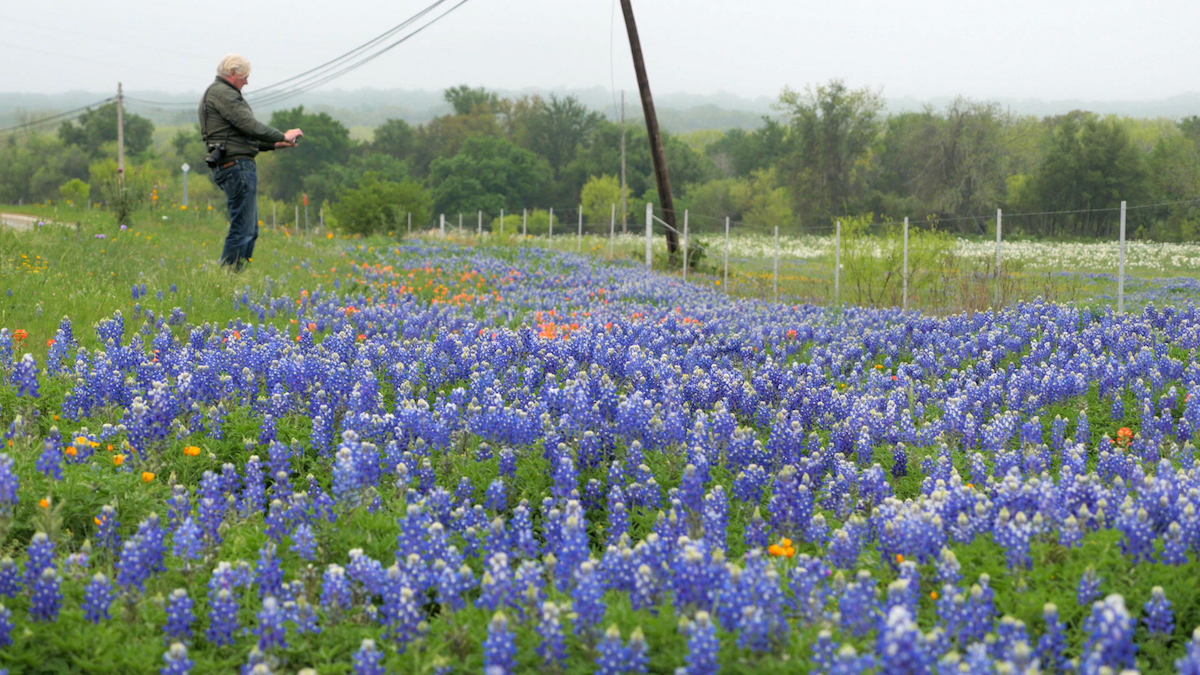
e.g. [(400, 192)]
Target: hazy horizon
[(1119, 50)]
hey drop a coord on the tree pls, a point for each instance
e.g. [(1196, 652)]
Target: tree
[(739, 152), (380, 205), (1091, 165), (559, 127), (76, 192), (394, 137), (96, 127), (465, 100), (332, 179), (1174, 171), (442, 137), (599, 195), (489, 173), (326, 141), (831, 129)]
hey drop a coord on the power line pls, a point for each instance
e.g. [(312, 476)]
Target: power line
[(347, 55), (58, 116), (303, 87)]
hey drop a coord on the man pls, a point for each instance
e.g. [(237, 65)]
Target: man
[(233, 138)]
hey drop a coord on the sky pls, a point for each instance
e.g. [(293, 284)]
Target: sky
[(1037, 49)]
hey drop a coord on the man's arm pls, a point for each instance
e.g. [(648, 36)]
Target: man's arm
[(235, 111)]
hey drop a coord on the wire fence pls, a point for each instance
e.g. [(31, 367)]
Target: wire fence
[(898, 264)]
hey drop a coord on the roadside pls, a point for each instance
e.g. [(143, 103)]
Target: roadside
[(18, 221)]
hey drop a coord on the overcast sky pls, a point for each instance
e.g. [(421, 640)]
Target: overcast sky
[(1047, 49)]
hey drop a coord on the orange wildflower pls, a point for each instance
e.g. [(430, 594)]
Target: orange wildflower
[(44, 503), (775, 550), (191, 451), (147, 476), (118, 459), (899, 557)]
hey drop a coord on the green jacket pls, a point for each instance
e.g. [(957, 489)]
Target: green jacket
[(225, 117)]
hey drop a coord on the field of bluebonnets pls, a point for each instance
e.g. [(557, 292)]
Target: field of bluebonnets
[(415, 456)]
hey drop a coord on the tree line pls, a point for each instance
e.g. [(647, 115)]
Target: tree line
[(830, 152)]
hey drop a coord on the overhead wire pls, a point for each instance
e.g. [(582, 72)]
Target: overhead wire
[(58, 116), (300, 88)]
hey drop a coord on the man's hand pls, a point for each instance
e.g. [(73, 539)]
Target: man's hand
[(284, 144), (291, 135)]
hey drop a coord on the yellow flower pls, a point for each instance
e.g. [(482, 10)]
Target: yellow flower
[(147, 477)]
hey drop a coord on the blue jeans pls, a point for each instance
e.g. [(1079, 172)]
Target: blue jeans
[(240, 183)]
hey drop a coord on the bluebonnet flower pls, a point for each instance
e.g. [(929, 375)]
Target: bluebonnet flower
[(189, 540), (271, 631), (901, 646), (47, 596), (50, 462), (500, 647), (6, 626), (638, 653), (1052, 644), (177, 661), (268, 573), (1110, 631), (10, 485), (98, 598), (553, 648), (368, 660), (1089, 586), (588, 597), (1160, 618), (25, 376), (612, 657), (10, 578), (703, 646), (1188, 665), (180, 616), (41, 558), (223, 605), (304, 542), (336, 594)]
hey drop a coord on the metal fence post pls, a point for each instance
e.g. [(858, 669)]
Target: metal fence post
[(479, 233), (905, 275), (685, 242), (1121, 271), (649, 228), (580, 244), (501, 222), (460, 224), (837, 266), (999, 224), (726, 281), (524, 223), (775, 282), (612, 232)]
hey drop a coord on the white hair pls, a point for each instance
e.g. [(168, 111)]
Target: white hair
[(233, 64)]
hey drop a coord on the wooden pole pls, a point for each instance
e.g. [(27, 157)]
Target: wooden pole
[(121, 136), (624, 207), (905, 274), (656, 142)]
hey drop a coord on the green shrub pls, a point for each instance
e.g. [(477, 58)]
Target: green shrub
[(379, 205)]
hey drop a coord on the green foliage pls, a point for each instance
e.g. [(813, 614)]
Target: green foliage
[(487, 174), (75, 192), (873, 265), (740, 152), (326, 141), (94, 128), (558, 127), (332, 179), (757, 201), (379, 205), (394, 137), (465, 100), (1091, 165), (832, 129), (600, 194)]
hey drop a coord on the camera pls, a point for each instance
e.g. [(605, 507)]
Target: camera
[(216, 155)]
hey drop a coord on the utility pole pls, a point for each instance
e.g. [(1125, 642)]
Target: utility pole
[(656, 142), (624, 211), (121, 135)]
